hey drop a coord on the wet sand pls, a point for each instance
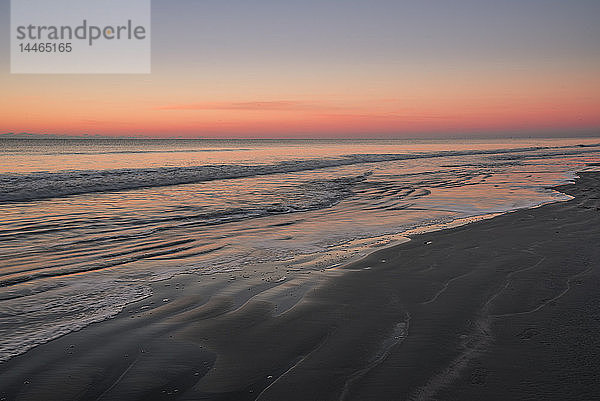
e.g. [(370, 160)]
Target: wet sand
[(501, 309)]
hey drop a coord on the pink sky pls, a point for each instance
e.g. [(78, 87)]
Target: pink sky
[(367, 69)]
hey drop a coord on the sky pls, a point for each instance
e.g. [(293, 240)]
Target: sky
[(333, 68)]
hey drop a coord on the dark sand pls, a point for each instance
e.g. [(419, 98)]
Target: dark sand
[(502, 309)]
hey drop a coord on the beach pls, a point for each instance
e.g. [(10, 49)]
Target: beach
[(505, 308), (300, 201)]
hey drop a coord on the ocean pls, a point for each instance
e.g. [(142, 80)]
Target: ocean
[(87, 224)]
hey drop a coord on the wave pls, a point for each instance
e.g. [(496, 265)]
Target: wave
[(110, 152), (107, 250), (545, 154), (44, 185)]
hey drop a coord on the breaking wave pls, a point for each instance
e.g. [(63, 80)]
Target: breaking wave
[(44, 185)]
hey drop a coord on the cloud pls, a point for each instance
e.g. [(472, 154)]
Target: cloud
[(277, 105), (403, 116)]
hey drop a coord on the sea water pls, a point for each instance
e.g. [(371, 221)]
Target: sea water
[(87, 224)]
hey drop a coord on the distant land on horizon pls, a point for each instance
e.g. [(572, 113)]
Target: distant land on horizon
[(524, 135), (26, 135)]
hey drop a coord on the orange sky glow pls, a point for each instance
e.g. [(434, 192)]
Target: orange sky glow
[(487, 70)]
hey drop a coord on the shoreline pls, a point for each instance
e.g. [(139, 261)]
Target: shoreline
[(266, 339), (382, 241), (360, 248)]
